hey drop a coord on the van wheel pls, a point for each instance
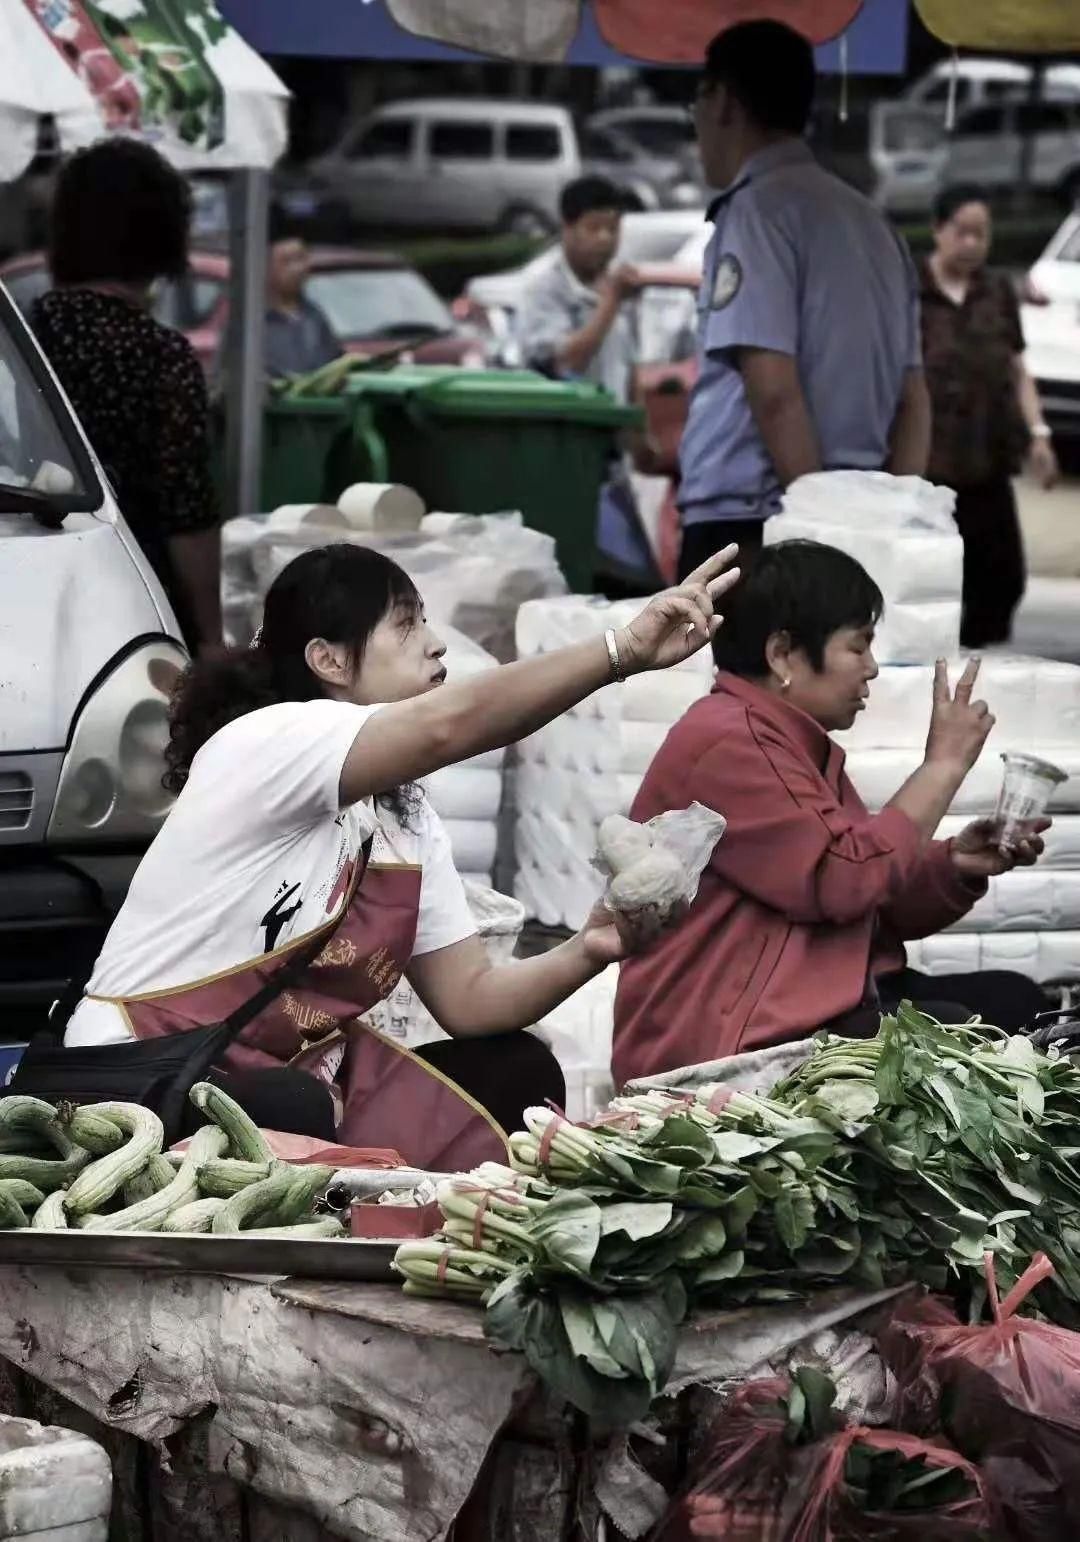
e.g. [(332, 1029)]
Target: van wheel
[(524, 220)]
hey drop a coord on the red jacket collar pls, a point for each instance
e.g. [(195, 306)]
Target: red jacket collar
[(791, 721)]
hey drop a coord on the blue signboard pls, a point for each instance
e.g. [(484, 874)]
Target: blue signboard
[(362, 29)]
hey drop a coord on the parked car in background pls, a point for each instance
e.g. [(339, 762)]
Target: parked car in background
[(1051, 319), (374, 302), (911, 146), (466, 164), (659, 130), (988, 147), (490, 302)]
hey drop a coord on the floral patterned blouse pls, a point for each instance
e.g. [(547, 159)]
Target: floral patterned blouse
[(969, 353), (139, 391)]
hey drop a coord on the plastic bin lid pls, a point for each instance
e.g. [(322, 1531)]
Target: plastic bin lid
[(447, 391)]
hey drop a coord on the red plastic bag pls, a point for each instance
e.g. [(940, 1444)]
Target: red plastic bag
[(1007, 1393), (751, 1485)]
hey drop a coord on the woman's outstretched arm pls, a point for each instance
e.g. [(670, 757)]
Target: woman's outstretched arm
[(410, 739)]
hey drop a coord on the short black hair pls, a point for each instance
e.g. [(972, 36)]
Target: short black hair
[(587, 195), (120, 214), (769, 69), (283, 226), (803, 588), (955, 197)]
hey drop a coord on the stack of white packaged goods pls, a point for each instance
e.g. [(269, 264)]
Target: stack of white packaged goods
[(901, 530), (588, 763), (473, 571), (1030, 919), (468, 797), (578, 1033)]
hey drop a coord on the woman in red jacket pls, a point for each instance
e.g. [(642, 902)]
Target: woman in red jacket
[(803, 911)]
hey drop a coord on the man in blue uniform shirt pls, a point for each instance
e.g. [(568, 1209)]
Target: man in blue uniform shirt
[(808, 313)]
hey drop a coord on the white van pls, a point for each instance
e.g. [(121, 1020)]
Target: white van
[(89, 650)]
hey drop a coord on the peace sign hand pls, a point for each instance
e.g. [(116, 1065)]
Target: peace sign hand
[(959, 727), (677, 623)]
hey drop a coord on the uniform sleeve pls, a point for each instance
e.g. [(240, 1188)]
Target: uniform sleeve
[(755, 285), (292, 757), (445, 917), (186, 493), (789, 843)]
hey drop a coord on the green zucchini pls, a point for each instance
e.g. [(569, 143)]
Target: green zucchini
[(226, 1176), (23, 1118), (255, 1202), (94, 1132), (246, 1140), (307, 1184), (102, 1179), (198, 1216), (45, 1173), (23, 1193), (151, 1213), (12, 1214), (49, 1215), (157, 1174), (324, 1226)]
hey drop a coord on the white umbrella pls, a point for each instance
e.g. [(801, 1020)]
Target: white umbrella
[(183, 79)]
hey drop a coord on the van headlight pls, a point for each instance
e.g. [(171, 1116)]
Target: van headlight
[(110, 782)]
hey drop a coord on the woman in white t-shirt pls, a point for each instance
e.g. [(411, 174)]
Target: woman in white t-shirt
[(289, 759)]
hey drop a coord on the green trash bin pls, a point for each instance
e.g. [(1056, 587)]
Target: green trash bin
[(314, 447), (481, 442)]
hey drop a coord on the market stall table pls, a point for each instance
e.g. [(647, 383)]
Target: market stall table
[(312, 1410)]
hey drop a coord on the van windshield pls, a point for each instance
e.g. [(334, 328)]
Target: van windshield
[(39, 448)]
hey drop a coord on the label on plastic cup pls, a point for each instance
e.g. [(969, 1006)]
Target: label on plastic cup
[(1025, 794)]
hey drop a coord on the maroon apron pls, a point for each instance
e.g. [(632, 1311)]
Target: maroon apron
[(387, 1095)]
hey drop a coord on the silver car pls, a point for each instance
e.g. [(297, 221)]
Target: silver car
[(463, 163)]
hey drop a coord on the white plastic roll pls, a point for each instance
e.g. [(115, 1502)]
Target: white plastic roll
[(380, 506)]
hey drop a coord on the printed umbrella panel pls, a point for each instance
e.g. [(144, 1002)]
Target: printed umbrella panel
[(172, 71), (541, 31), (1009, 26)]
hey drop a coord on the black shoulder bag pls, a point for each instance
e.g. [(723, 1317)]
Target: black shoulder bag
[(158, 1073)]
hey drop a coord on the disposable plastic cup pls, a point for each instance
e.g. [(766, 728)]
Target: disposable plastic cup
[(1026, 788)]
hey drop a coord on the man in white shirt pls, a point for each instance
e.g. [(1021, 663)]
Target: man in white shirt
[(574, 321)]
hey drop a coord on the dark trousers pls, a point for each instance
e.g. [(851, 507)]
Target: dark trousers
[(994, 569), (700, 542), (505, 1073), (999, 996)]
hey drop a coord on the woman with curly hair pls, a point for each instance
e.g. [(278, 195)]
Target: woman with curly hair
[(119, 224), (289, 759)]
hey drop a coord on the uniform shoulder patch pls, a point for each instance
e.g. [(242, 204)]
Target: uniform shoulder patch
[(728, 281)]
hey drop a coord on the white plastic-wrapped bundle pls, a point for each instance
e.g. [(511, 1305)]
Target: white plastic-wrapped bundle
[(1036, 704), (901, 530), (578, 1032), (588, 763), (472, 571)]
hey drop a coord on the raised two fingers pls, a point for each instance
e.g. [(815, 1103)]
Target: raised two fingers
[(966, 683), (711, 575)]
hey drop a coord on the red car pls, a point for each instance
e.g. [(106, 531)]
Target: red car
[(374, 301)]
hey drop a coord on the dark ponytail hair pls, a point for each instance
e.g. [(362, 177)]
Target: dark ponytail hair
[(339, 593)]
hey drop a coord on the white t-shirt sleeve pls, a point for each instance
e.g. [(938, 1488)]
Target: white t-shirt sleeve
[(445, 917), (292, 754)]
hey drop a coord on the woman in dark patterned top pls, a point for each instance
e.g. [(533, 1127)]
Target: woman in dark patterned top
[(119, 223), (987, 417)]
